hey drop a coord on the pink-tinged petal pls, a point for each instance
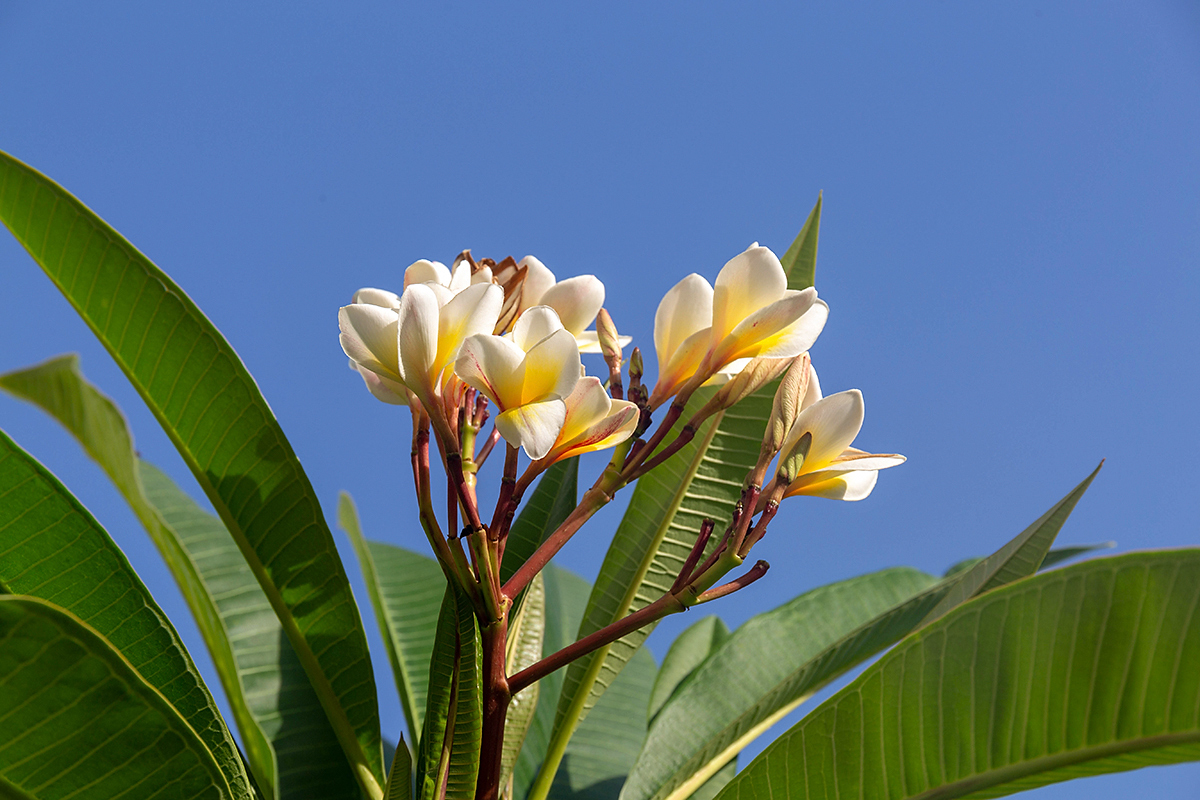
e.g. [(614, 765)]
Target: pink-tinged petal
[(534, 325), (389, 391), (378, 297), (537, 280), (368, 336), (552, 368), (426, 271), (685, 309), (417, 337), (749, 281), (587, 404), (833, 422), (617, 426), (472, 311), (493, 365), (857, 461), (577, 300), (847, 486), (533, 426), (683, 365)]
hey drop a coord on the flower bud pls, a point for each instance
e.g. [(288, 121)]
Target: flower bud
[(786, 405), (755, 375), (606, 332), (793, 460)]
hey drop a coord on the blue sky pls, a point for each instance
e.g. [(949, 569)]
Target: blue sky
[(1009, 247)]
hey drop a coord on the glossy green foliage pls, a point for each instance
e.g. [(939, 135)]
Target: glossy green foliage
[(208, 404), (689, 650), (80, 721), (290, 747), (53, 549), (1079, 671)]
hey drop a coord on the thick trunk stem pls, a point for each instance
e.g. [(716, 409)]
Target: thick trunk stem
[(496, 696)]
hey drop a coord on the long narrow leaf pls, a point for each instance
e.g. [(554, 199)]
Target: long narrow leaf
[(689, 650), (406, 590), (52, 548), (289, 745), (208, 404), (1079, 671), (80, 721)]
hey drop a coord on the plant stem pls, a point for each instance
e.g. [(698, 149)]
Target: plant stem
[(496, 697)]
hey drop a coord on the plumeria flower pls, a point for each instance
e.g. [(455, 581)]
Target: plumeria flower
[(435, 272), (577, 301), (831, 467), (594, 421), (405, 342), (717, 329), (527, 374)]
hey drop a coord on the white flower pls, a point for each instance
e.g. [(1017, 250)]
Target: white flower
[(594, 421), (577, 301), (527, 375)]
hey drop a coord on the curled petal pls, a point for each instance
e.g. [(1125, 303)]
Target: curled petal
[(538, 278), (534, 325), (426, 271), (853, 460), (833, 423), (493, 365), (587, 404), (589, 342), (684, 310), (748, 282), (577, 300), (417, 338), (378, 297), (683, 364), (368, 337), (533, 426), (784, 329), (844, 486), (551, 369), (385, 389)]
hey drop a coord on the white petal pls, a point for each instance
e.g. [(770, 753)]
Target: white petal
[(684, 309), (683, 364), (534, 325), (368, 336), (814, 388), (577, 300), (461, 277), (473, 310), (589, 342), (533, 426), (749, 281), (493, 365), (833, 422), (587, 404), (537, 280), (484, 275), (848, 486), (388, 391), (378, 297), (417, 336), (857, 461), (426, 271), (551, 369), (784, 329)]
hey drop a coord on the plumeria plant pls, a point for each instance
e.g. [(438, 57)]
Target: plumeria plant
[(517, 679)]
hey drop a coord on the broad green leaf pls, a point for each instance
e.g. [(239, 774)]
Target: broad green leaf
[(767, 667), (51, 548), (453, 727), (1060, 555), (566, 597), (399, 785), (554, 497), (208, 404), (660, 525), (406, 591), (270, 696), (713, 786), (526, 633), (800, 260), (687, 652), (80, 721), (1080, 671), (1020, 557), (606, 744)]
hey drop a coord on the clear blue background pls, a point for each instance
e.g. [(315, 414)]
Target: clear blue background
[(1009, 246)]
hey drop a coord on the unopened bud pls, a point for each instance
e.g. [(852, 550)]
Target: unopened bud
[(635, 367), (755, 375), (791, 462), (787, 402), (606, 332)]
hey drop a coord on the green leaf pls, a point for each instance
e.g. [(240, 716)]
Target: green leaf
[(800, 260), (524, 648), (1080, 671), (81, 721), (554, 498), (406, 591), (399, 785), (1062, 554), (270, 696), (713, 786), (1020, 557), (606, 744), (453, 729), (769, 666), (208, 404), (686, 654), (566, 597), (52, 548)]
